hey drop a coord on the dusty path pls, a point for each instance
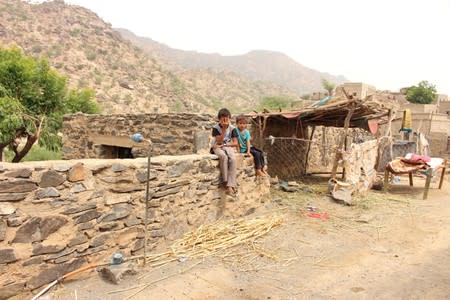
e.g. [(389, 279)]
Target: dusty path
[(393, 246)]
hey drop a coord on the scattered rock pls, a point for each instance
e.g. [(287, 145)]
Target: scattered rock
[(15, 185), (101, 239), (79, 239), (92, 251), (47, 193), (85, 226), (76, 173), (11, 290), (98, 168), (125, 84), (164, 193), (118, 212), (39, 249), (126, 188), (13, 197), (7, 255), (17, 219), (180, 169), (53, 273), (2, 230), (51, 178), (65, 252), (61, 168), (141, 176), (6, 209), (132, 221), (112, 199), (139, 244), (77, 209), (107, 226), (19, 173), (36, 260), (38, 229), (118, 167), (78, 188), (114, 273), (87, 216)]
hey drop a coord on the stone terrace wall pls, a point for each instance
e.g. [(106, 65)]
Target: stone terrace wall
[(57, 216), (171, 134)]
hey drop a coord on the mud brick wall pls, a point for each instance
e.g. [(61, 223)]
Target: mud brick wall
[(89, 136), (58, 216)]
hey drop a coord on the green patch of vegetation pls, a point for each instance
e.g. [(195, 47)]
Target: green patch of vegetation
[(275, 103), (36, 49), (37, 153), (91, 55), (176, 107)]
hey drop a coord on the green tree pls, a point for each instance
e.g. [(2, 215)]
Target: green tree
[(275, 103), (423, 93), (328, 86), (33, 98)]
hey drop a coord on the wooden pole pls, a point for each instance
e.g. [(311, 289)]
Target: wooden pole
[(309, 148), (340, 149)]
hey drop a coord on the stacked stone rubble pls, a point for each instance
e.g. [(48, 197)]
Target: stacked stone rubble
[(58, 216)]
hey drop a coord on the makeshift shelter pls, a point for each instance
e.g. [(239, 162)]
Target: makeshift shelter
[(293, 132)]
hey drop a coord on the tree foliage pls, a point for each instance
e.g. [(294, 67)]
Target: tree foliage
[(328, 86), (423, 93), (275, 103), (33, 98)]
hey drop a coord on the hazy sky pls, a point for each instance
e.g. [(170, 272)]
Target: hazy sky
[(386, 43)]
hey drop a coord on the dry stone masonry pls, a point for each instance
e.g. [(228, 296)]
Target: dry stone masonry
[(108, 136), (58, 216)]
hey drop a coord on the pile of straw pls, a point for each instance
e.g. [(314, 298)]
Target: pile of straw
[(217, 238)]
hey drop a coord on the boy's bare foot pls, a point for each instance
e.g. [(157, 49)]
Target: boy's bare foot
[(259, 172), (229, 190)]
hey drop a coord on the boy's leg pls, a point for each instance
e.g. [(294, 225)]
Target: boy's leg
[(231, 178), (257, 158), (223, 162)]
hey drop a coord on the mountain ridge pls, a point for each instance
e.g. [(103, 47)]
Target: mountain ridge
[(283, 70)]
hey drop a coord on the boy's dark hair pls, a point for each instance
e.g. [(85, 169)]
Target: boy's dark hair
[(224, 113), (241, 118)]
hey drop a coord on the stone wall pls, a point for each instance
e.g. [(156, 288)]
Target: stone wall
[(57, 216), (108, 136)]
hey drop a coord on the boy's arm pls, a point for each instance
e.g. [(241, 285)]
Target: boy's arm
[(217, 138), (248, 146)]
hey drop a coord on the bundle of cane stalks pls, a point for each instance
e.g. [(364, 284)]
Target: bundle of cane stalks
[(217, 238)]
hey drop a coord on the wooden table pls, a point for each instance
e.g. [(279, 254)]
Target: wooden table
[(428, 173)]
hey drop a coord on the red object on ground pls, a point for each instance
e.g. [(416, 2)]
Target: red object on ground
[(319, 216)]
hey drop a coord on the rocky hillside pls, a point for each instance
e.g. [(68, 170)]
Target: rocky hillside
[(261, 65), (126, 79)]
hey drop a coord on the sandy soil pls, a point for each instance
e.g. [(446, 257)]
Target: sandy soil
[(387, 246)]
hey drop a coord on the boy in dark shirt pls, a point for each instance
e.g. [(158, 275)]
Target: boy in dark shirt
[(223, 145)]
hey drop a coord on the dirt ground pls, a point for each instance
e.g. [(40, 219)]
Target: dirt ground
[(387, 246)]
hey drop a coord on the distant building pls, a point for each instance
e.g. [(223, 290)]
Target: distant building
[(441, 98), (359, 90)]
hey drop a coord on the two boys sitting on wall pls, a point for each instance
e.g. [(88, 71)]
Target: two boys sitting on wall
[(226, 138)]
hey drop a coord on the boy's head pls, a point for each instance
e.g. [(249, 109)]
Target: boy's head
[(224, 116), (241, 122)]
